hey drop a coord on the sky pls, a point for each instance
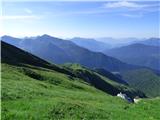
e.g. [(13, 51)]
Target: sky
[(91, 19)]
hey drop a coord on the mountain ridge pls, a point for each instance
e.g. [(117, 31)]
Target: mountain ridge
[(90, 44), (71, 53), (137, 54)]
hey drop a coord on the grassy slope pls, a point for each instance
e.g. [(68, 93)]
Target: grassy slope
[(25, 96), (144, 80), (43, 91), (102, 82)]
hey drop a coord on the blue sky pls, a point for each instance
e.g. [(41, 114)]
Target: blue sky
[(84, 19)]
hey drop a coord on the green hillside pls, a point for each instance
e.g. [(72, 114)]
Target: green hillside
[(59, 97), (42, 91), (102, 82), (145, 80)]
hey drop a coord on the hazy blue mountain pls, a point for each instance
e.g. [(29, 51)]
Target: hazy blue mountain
[(62, 51), (12, 40), (119, 42), (137, 54), (91, 44), (151, 41)]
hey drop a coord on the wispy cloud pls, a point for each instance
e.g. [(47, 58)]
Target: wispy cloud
[(132, 9), (81, 12), (132, 15), (19, 17), (127, 4)]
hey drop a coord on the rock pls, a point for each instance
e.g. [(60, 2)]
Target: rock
[(125, 97), (136, 99)]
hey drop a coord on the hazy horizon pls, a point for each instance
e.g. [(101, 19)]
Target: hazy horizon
[(65, 38)]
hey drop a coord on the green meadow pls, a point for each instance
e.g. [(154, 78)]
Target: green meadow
[(35, 93)]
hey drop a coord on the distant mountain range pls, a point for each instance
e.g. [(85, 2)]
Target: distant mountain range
[(101, 44), (61, 51), (151, 42), (91, 44), (138, 54), (119, 42), (132, 51)]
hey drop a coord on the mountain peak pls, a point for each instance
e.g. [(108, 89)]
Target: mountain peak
[(6, 36), (45, 36)]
